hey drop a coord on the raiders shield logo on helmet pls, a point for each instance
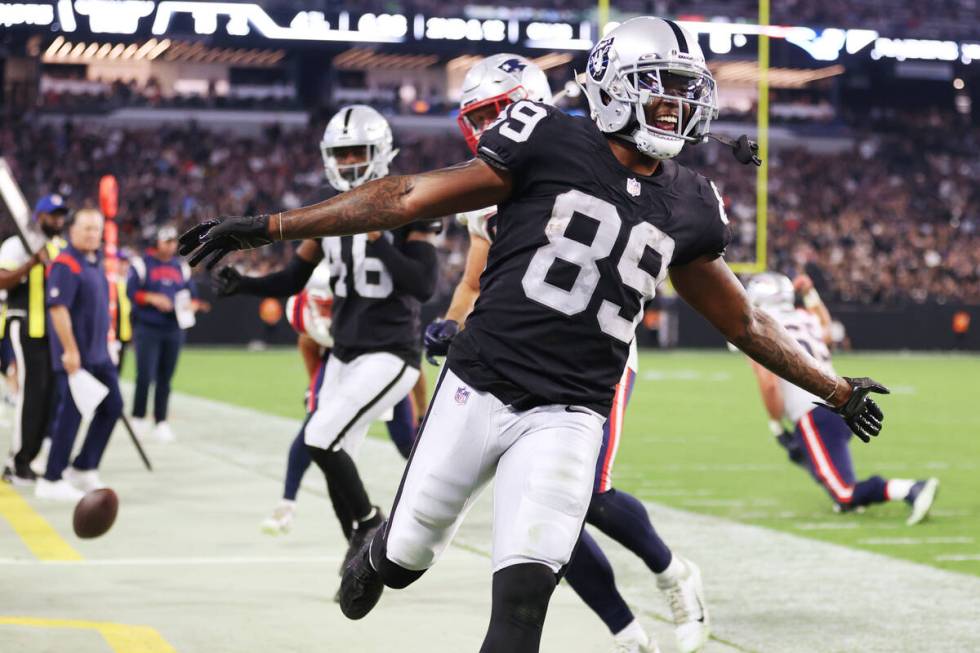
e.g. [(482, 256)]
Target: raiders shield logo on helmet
[(599, 60)]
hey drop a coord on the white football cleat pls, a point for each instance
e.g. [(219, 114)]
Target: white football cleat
[(163, 433), (922, 496), (685, 596), (141, 427), (85, 481), (57, 491), (281, 520), (40, 462), (633, 639)]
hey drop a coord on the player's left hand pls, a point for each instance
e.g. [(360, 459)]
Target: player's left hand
[(438, 336), (217, 238), (860, 411)]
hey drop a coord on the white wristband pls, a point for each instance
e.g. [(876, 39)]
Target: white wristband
[(775, 427)]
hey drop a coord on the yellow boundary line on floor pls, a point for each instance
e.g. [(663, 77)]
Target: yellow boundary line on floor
[(122, 638), (37, 534)]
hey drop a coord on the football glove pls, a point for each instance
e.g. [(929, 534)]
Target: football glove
[(227, 281), (217, 238), (438, 336), (860, 411)]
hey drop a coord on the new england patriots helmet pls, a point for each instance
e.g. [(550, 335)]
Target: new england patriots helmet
[(771, 291), (498, 81), (357, 125), (639, 61)]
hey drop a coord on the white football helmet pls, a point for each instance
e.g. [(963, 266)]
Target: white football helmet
[(357, 125), (499, 80), (771, 291), (643, 59)]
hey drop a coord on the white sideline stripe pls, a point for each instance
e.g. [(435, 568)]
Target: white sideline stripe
[(174, 562), (787, 612), (913, 541), (958, 557)]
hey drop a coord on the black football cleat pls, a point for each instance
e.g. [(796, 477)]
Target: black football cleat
[(360, 535), (361, 586)]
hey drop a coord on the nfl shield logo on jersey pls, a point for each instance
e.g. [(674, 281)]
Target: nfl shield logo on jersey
[(462, 395), (633, 187)]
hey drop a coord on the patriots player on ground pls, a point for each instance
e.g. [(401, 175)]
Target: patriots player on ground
[(592, 214), (818, 439), (378, 282), (488, 88)]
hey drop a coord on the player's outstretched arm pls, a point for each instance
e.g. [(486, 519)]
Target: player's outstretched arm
[(282, 283), (376, 206), (711, 288)]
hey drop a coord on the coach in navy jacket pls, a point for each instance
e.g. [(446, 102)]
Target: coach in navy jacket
[(153, 283)]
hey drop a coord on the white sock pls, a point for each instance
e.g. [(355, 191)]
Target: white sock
[(632, 633), (898, 488), (673, 573)]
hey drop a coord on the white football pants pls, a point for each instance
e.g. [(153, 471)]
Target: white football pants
[(353, 395), (544, 463)]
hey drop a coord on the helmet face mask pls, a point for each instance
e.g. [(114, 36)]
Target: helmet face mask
[(492, 85), (638, 73), (356, 147), (771, 291)]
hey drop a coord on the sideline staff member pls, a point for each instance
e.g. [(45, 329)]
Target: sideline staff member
[(22, 276), (78, 303), (153, 283)]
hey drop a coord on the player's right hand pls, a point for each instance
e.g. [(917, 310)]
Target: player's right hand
[(438, 337), (227, 281), (217, 238)]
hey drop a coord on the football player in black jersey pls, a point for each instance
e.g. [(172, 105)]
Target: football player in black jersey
[(592, 214), (489, 87), (378, 281)]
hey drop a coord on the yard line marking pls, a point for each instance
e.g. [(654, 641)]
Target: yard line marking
[(913, 541), (36, 533), (122, 638), (825, 526), (169, 562), (958, 557)]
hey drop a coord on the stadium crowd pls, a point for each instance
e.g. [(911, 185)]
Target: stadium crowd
[(894, 220)]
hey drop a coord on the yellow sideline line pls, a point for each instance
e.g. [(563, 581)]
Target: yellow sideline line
[(43, 540), (122, 638)]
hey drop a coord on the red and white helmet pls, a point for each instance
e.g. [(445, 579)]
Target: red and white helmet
[(309, 312), (498, 81)]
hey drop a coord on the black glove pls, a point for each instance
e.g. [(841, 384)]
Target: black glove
[(861, 412), (438, 336), (227, 281), (792, 446), (217, 238)]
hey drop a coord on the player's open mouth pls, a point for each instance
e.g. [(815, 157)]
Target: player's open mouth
[(666, 123)]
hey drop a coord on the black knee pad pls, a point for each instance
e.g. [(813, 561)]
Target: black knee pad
[(521, 593), (393, 575)]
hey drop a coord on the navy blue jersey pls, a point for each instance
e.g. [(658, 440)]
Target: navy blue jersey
[(580, 245), (77, 281), (376, 306), (150, 274)]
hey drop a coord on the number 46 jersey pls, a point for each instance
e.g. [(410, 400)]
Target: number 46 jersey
[(580, 246)]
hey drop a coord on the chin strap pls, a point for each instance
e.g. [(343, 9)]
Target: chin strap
[(744, 150)]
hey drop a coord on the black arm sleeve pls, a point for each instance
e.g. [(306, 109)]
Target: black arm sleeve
[(413, 267), (284, 283)]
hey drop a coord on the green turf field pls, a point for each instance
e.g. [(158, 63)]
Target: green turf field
[(696, 439)]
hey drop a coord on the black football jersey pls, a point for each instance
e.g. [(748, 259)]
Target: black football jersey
[(579, 247), (369, 313)]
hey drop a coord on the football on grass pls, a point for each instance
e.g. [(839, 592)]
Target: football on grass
[(95, 513)]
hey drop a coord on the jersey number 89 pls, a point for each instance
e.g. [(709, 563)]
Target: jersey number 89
[(577, 298)]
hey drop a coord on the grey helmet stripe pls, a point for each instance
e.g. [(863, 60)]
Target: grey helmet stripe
[(679, 35)]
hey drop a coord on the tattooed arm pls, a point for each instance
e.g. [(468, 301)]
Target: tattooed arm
[(714, 292), (394, 201), (377, 205)]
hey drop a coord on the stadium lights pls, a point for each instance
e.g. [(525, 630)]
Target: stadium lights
[(116, 16)]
